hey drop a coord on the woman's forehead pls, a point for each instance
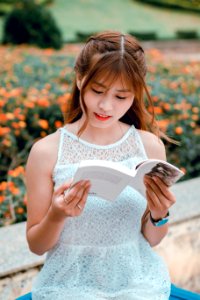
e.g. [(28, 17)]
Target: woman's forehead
[(120, 82)]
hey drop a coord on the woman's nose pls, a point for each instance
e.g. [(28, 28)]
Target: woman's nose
[(105, 104)]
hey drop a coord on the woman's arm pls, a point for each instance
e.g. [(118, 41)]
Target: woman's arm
[(159, 197), (47, 209)]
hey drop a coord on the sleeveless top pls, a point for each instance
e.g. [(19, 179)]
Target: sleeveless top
[(102, 253)]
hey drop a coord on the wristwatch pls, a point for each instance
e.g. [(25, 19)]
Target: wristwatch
[(160, 222)]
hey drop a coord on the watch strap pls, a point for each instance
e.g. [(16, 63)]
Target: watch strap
[(159, 222)]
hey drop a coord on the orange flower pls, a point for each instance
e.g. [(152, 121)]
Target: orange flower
[(16, 172), (155, 98), (10, 116), (15, 191), (20, 210), (3, 185), (178, 130), (17, 132), (166, 106), (29, 104), (6, 142), (43, 124), (47, 86), (43, 133), (195, 109), (4, 130), (185, 116), (58, 124), (195, 117), (163, 124), (173, 85), (3, 118), (2, 199), (15, 125), (22, 124), (10, 185), (193, 124), (43, 102), (21, 117), (158, 110), (2, 103)]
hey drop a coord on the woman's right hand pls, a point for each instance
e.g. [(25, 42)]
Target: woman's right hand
[(69, 200)]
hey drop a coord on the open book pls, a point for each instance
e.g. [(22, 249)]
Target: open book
[(108, 179)]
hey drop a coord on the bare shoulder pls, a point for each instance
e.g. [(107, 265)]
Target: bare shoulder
[(153, 145), (45, 151)]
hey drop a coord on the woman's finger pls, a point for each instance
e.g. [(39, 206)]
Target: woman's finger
[(60, 190), (84, 196), (155, 189), (75, 193), (153, 201), (165, 189)]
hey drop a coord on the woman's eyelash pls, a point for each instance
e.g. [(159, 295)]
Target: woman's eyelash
[(97, 92), (100, 92), (121, 98)]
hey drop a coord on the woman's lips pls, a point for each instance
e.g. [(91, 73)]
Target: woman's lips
[(102, 117)]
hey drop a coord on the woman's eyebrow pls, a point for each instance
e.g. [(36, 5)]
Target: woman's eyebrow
[(102, 85)]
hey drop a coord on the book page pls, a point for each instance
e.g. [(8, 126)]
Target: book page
[(168, 173), (106, 183)]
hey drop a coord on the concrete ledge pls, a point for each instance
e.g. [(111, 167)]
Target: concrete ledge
[(181, 251), (188, 200), (15, 255)]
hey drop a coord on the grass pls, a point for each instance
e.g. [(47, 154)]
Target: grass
[(127, 15)]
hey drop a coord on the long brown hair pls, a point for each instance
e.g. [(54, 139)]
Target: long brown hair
[(108, 56)]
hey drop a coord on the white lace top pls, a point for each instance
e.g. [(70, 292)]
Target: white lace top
[(102, 254)]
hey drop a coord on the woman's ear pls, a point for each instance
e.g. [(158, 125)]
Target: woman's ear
[(78, 81)]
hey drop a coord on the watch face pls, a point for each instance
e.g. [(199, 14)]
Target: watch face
[(161, 222)]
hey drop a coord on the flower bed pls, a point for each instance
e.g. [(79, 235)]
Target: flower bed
[(35, 87)]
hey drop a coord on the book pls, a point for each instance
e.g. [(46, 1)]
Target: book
[(108, 179)]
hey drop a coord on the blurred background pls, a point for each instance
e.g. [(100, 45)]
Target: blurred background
[(40, 40)]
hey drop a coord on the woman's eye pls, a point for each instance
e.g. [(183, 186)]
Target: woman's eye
[(121, 98), (96, 91)]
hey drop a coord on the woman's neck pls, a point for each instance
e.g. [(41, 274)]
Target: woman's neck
[(102, 136)]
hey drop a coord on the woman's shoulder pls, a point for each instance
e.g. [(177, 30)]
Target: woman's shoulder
[(153, 145), (47, 143), (45, 149)]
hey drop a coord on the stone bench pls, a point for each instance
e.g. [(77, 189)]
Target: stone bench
[(180, 248)]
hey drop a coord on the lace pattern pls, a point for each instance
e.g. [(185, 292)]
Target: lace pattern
[(75, 149)]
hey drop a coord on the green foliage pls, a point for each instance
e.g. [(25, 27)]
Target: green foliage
[(31, 24), (144, 36), (186, 34), (7, 5), (191, 5), (81, 37)]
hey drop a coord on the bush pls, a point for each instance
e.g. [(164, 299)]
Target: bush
[(144, 36), (7, 5), (81, 37), (186, 34), (191, 5), (31, 24)]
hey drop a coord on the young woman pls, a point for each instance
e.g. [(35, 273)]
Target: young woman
[(98, 249)]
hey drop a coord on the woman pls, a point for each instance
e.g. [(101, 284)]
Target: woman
[(97, 249)]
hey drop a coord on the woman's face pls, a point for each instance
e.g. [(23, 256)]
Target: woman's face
[(106, 104)]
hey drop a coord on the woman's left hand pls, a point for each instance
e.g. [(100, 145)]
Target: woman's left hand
[(158, 195)]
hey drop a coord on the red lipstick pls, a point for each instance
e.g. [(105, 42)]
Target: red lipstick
[(102, 117)]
